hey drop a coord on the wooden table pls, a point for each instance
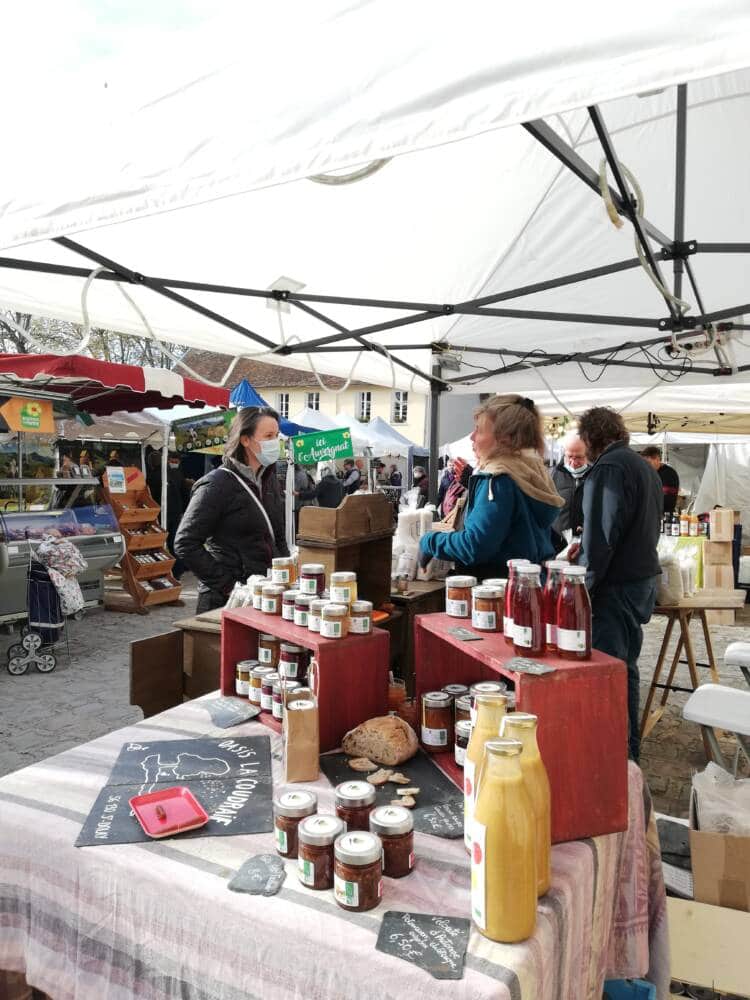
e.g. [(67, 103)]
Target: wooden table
[(423, 597), (682, 614)]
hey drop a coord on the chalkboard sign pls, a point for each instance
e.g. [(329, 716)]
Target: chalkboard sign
[(262, 875), (231, 778), (226, 712), (436, 944), (444, 819)]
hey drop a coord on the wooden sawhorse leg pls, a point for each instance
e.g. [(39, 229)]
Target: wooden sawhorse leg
[(648, 722), (709, 648)]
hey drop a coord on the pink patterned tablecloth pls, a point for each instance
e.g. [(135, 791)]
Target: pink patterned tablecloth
[(156, 921)]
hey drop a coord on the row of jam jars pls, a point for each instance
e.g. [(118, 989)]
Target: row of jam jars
[(490, 709), (510, 590)]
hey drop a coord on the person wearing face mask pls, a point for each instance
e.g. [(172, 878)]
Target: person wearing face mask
[(422, 483), (177, 497), (234, 524), (568, 477)]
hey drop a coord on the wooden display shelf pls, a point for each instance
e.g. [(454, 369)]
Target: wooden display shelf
[(162, 596), (139, 508), (148, 571), (151, 540)]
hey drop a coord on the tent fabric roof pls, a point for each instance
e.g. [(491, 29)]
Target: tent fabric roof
[(115, 427)]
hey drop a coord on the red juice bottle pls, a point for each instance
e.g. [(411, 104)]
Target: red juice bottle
[(574, 615), (549, 602), (528, 628), (512, 565)]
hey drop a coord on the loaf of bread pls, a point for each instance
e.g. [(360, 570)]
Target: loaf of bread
[(387, 740)]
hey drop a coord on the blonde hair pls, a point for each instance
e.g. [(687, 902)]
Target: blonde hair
[(515, 422)]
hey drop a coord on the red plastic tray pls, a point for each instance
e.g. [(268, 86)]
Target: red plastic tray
[(168, 811)]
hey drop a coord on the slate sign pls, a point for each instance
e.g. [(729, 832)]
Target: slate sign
[(226, 712), (436, 944), (440, 805), (231, 778), (521, 665), (262, 875)]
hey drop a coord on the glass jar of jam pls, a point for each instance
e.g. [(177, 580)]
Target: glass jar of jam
[(256, 683), (301, 609), (272, 596), (334, 621), (462, 709), (288, 599), (528, 630), (315, 839), (487, 604), (484, 687), (354, 803), (458, 595), (292, 661), (510, 590), (269, 648), (288, 809), (360, 618), (357, 870), (549, 602), (266, 690), (283, 570), (315, 611), (257, 589), (343, 588), (277, 706), (312, 579), (437, 721), (463, 735), (242, 679), (574, 615), (395, 827)]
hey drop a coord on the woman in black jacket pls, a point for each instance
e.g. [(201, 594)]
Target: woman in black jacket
[(234, 523)]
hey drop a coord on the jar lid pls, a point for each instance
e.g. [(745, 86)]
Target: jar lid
[(515, 563), (343, 576), (267, 637), (528, 567), (391, 820), (500, 582), (464, 702), (355, 793), (504, 748), (301, 705), (485, 593), (487, 687), (463, 726), (282, 561), (289, 595), (358, 848), (362, 607), (248, 664), (314, 569), (491, 698), (273, 588), (302, 692), (455, 690), (303, 599), (317, 604), (320, 831), (518, 720), (259, 584), (336, 610), (270, 678), (260, 671), (557, 563), (460, 581), (436, 699), (290, 685), (574, 571), (297, 803), (288, 647)]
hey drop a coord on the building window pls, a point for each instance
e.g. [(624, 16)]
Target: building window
[(313, 400), (364, 406), (282, 404), (400, 406)]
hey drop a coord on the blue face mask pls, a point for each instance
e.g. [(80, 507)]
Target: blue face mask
[(269, 453), (576, 473)]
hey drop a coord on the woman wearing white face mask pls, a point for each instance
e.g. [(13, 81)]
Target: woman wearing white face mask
[(234, 523)]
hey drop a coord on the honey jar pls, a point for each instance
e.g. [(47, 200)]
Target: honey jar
[(287, 604), (277, 705), (266, 690), (334, 621), (487, 608), (289, 808), (257, 591), (314, 612), (256, 683), (315, 839), (360, 618), (312, 579), (437, 721), (242, 679), (462, 708), (458, 595), (357, 870), (268, 650), (272, 596), (301, 609), (354, 803), (283, 570), (343, 587), (395, 827), (292, 661)]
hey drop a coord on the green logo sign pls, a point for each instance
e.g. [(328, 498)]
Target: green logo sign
[(31, 416), (322, 446)]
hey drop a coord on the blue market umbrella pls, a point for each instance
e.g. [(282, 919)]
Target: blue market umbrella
[(244, 395)]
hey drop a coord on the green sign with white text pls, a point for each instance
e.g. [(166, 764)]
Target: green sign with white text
[(322, 446)]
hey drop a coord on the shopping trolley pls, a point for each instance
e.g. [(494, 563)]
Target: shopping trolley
[(45, 629)]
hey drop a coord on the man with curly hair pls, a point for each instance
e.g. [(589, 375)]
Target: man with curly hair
[(622, 512)]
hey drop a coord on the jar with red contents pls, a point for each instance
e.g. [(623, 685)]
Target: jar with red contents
[(315, 839), (355, 801), (510, 591), (574, 615), (395, 827), (289, 808), (288, 600), (292, 661), (549, 602), (358, 870), (312, 579), (528, 630)]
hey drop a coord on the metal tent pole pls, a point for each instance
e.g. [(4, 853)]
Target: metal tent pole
[(435, 389), (679, 184)]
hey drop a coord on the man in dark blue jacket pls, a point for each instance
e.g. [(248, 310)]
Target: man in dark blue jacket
[(622, 511)]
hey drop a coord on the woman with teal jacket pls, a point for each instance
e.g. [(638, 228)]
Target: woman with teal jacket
[(512, 500)]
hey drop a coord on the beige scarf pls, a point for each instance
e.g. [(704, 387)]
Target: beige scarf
[(528, 471)]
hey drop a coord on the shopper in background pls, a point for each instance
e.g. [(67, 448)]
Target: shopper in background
[(622, 510), (512, 500), (447, 479), (178, 496), (395, 476), (234, 523), (568, 476), (352, 477), (303, 484), (670, 481), (422, 483), (329, 492)]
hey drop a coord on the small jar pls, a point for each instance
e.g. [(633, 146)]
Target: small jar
[(288, 599), (312, 579), (358, 871), (487, 608), (315, 839), (455, 690), (334, 621), (277, 706), (292, 661), (288, 809), (343, 588), (242, 679), (256, 683), (266, 690), (395, 827), (301, 609), (458, 595), (314, 612), (355, 801), (484, 687), (462, 708), (360, 618), (299, 705), (463, 735), (283, 571), (269, 648), (437, 721), (257, 590), (272, 595)]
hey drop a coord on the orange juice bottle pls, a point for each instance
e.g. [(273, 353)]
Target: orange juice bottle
[(503, 855), (522, 727), (489, 709)]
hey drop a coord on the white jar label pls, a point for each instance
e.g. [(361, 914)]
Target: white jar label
[(479, 876), (457, 609), (266, 702), (281, 842), (287, 612), (523, 635), (254, 695), (300, 618), (241, 687), (460, 755), (550, 634), (306, 871), (360, 626), (308, 585), (507, 627), (269, 605), (313, 623), (279, 576), (346, 893), (434, 737), (288, 669), (276, 710), (571, 640), (265, 655), (486, 620), (258, 602), (468, 801), (341, 595), (330, 630)]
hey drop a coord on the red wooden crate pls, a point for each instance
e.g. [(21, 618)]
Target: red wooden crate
[(583, 719), (353, 671)]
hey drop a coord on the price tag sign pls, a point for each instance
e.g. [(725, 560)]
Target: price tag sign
[(434, 943)]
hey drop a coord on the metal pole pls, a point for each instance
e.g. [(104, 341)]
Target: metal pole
[(679, 184), (434, 430)]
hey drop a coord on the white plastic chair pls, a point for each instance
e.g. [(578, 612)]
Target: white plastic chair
[(738, 655), (715, 706)]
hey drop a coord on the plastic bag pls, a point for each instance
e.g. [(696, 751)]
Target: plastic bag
[(722, 803), (669, 584)]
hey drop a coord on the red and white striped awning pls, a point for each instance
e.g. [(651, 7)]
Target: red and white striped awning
[(102, 387)]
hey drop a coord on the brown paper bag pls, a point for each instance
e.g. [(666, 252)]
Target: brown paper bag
[(300, 735)]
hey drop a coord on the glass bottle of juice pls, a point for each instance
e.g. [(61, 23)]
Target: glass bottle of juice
[(503, 853), (522, 727), (489, 710), (549, 602), (574, 616), (512, 565), (528, 629)]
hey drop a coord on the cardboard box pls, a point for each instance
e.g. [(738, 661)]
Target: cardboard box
[(721, 522), (714, 553), (721, 866), (718, 577)]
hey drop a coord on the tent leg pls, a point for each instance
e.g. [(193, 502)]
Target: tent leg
[(164, 474), (434, 422)]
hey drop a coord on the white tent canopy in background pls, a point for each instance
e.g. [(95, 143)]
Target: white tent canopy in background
[(726, 481)]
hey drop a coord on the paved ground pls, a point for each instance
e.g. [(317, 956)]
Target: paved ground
[(41, 715)]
